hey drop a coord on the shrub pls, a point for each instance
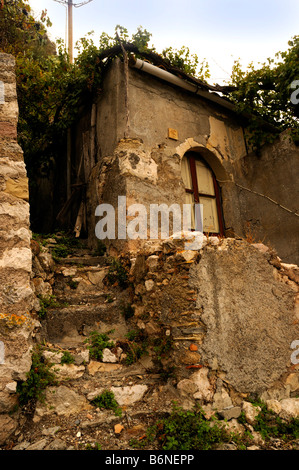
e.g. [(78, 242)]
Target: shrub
[(97, 343), (187, 430), (67, 358), (117, 274), (39, 377), (107, 401)]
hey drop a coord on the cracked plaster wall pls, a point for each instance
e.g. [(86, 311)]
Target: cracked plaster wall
[(146, 166)]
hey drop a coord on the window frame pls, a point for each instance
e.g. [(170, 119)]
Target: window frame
[(191, 158)]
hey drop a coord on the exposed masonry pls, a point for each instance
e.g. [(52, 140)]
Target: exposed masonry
[(16, 295)]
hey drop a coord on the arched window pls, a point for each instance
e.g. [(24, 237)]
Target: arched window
[(202, 188)]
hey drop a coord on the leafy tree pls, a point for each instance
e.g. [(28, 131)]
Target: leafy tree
[(189, 63), (20, 32), (265, 92)]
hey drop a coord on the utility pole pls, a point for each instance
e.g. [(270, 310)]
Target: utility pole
[(70, 29), (70, 4)]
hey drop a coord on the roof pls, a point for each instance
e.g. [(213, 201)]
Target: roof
[(215, 93)]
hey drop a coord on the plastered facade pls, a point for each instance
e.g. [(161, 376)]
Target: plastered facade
[(143, 129)]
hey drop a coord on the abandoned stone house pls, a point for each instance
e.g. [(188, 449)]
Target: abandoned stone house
[(155, 138)]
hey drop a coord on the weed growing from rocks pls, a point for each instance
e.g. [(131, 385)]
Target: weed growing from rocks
[(117, 274), (95, 446), (72, 284), (107, 401), (38, 379), (185, 430), (62, 244), (270, 425), (100, 249), (67, 358), (136, 346), (127, 310), (162, 346), (97, 342), (47, 302)]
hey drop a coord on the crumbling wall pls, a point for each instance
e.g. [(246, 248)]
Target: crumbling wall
[(144, 154), (231, 311), (16, 296)]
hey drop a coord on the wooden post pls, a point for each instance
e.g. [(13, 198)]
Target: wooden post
[(70, 30)]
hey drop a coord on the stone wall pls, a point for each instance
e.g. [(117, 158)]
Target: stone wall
[(268, 181), (16, 296), (231, 311)]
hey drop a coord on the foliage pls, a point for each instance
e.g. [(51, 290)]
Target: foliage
[(95, 446), (189, 63), (186, 430), (107, 401), (270, 425), (117, 274), (127, 310), (97, 342), (67, 358), (47, 302), (265, 92), (20, 32), (135, 346), (39, 377), (51, 90)]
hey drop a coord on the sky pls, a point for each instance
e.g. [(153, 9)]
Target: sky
[(219, 31)]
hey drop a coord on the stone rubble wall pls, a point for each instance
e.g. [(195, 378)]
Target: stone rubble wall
[(16, 295), (231, 310)]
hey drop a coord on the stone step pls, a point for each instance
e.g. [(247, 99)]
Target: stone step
[(85, 260), (72, 298), (69, 326)]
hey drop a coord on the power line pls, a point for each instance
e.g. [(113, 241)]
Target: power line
[(70, 4)]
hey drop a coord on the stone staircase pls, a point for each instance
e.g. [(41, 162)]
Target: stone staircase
[(82, 302)]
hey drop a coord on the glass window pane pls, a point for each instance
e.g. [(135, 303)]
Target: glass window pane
[(186, 174), (189, 199), (210, 215), (204, 179)]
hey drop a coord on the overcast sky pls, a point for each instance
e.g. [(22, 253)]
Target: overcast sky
[(219, 31)]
